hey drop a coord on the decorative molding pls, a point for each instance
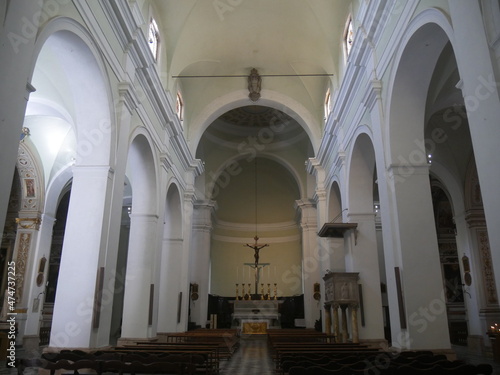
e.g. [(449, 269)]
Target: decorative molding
[(31, 184), (270, 240), (28, 223), (128, 96), (487, 268), (23, 251), (268, 227)]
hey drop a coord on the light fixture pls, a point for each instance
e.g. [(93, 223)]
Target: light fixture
[(256, 246)]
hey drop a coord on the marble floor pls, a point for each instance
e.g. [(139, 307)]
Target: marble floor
[(252, 357)]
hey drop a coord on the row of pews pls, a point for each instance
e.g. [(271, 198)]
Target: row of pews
[(194, 352), (306, 352)]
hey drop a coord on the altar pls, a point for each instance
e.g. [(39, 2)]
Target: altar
[(255, 316)]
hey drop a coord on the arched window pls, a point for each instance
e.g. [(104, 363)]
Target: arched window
[(348, 37), (154, 38), (179, 106), (327, 104)]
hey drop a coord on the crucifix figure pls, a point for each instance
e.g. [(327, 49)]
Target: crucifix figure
[(256, 247)]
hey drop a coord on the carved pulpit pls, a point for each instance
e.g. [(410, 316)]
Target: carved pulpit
[(341, 292)]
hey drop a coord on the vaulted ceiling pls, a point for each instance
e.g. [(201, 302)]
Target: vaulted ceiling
[(277, 37)]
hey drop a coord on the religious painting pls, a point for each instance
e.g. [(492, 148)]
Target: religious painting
[(30, 187)]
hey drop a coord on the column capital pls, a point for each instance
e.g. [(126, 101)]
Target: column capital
[(319, 196), (308, 213), (357, 217), (407, 169), (128, 96), (28, 222), (304, 204)]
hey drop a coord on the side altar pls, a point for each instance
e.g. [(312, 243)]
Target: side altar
[(255, 316)]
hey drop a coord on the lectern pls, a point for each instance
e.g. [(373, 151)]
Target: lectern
[(341, 292)]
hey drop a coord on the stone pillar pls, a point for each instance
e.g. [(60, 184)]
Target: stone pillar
[(353, 308), (345, 333), (310, 260), (336, 328), (36, 293), (328, 319), (85, 234), (24, 258), (363, 255), (420, 266), (200, 258), (479, 84), (136, 309)]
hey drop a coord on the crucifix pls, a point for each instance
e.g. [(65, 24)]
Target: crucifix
[(256, 265)]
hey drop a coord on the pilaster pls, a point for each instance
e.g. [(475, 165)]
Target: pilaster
[(311, 259)]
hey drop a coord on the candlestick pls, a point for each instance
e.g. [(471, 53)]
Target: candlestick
[(275, 291), (237, 297), (261, 291)]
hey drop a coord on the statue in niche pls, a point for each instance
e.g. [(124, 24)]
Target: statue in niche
[(254, 85)]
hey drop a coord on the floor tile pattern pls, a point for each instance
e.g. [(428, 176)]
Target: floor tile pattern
[(252, 357)]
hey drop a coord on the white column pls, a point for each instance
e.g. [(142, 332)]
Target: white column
[(200, 258), (311, 271), (17, 39), (419, 263), (24, 259), (84, 235), (480, 90), (113, 298), (140, 266), (364, 259), (36, 290)]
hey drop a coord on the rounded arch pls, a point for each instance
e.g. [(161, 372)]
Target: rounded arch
[(173, 227), (414, 62), (451, 186), (69, 74), (239, 98), (141, 171), (361, 169), (334, 202), (278, 159), (55, 190)]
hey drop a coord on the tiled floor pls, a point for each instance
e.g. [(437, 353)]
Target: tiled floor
[(252, 357)]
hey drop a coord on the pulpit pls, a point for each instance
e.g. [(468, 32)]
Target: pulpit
[(341, 293), (255, 316)]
